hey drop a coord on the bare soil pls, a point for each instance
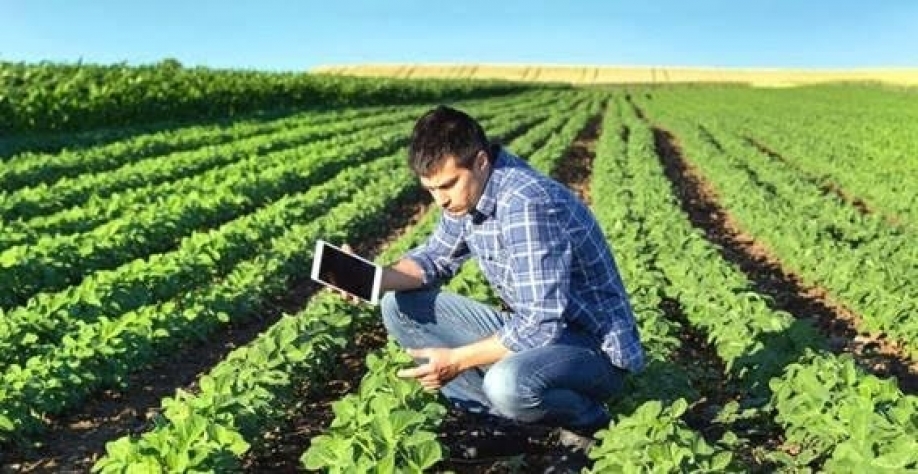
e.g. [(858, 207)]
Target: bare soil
[(73, 442), (840, 325)]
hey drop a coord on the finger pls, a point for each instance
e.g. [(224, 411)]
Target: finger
[(408, 373), (430, 380), (418, 353), (347, 248), (416, 372)]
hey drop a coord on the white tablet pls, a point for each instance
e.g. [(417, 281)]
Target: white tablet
[(332, 266)]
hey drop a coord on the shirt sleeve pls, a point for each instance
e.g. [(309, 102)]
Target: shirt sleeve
[(539, 255), (444, 252)]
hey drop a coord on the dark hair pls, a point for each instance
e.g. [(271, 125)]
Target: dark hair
[(441, 132)]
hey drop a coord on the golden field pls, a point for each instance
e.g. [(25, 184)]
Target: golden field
[(628, 75)]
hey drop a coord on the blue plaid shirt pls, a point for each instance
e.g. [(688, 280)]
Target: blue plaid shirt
[(546, 257)]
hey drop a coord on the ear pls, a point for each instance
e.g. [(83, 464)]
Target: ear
[(482, 159)]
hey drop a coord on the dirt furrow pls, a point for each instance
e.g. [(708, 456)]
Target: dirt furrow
[(74, 442), (768, 276)]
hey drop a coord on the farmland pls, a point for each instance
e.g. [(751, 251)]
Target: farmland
[(593, 75), (156, 311)]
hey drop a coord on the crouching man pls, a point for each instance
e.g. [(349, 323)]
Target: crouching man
[(559, 346)]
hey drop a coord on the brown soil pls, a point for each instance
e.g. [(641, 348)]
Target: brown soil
[(280, 448), (827, 187), (575, 168), (768, 276), (72, 443)]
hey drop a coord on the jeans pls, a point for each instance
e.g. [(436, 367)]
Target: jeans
[(563, 384)]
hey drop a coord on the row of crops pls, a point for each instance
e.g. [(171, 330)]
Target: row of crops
[(119, 254), (96, 304), (72, 97)]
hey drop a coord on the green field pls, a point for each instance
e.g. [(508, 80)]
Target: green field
[(156, 230)]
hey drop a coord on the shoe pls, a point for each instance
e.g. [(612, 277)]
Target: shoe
[(575, 444), (490, 438), (576, 441)]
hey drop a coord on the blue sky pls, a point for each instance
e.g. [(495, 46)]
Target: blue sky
[(295, 35)]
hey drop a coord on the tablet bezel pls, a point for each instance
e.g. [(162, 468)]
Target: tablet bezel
[(319, 253)]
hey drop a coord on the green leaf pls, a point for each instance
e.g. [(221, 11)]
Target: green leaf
[(721, 460), (6, 425), (231, 439), (319, 454), (678, 408), (207, 384), (428, 454), (8, 259), (897, 460)]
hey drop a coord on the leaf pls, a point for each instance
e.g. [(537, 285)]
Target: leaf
[(207, 384), (6, 424), (678, 407), (721, 460), (231, 439), (418, 438), (319, 454), (428, 454), (897, 460), (8, 259)]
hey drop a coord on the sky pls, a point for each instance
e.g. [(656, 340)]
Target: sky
[(296, 35)]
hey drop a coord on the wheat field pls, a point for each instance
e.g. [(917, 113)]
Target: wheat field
[(583, 75)]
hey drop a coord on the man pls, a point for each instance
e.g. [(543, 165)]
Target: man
[(568, 336)]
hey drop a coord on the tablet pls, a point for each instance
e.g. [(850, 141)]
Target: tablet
[(353, 274)]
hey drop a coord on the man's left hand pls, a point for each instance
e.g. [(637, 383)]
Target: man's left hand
[(439, 369)]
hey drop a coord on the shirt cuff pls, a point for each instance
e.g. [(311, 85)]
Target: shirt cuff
[(427, 267)]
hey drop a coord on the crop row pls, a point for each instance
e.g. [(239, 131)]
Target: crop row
[(55, 262), (219, 416), (56, 361), (872, 262), (854, 422), (33, 168), (49, 96), (199, 257), (98, 209)]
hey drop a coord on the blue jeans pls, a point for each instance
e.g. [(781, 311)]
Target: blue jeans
[(563, 384)]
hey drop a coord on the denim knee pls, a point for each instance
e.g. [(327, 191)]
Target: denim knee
[(509, 395), (401, 311), (392, 316)]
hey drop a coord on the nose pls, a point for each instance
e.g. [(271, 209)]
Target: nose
[(441, 198)]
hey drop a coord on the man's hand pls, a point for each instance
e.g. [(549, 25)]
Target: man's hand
[(437, 372)]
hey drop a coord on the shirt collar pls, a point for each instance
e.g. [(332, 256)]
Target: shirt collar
[(487, 203)]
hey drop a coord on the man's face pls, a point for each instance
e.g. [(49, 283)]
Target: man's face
[(457, 189)]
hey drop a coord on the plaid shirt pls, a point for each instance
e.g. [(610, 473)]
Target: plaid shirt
[(544, 254)]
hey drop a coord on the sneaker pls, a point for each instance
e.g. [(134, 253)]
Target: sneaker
[(490, 438), (575, 445), (575, 441)]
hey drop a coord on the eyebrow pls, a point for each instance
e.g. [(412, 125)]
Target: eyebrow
[(445, 184)]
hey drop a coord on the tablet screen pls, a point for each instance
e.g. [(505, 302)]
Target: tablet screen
[(337, 268)]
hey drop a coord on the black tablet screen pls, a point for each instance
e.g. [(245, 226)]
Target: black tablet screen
[(346, 272)]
